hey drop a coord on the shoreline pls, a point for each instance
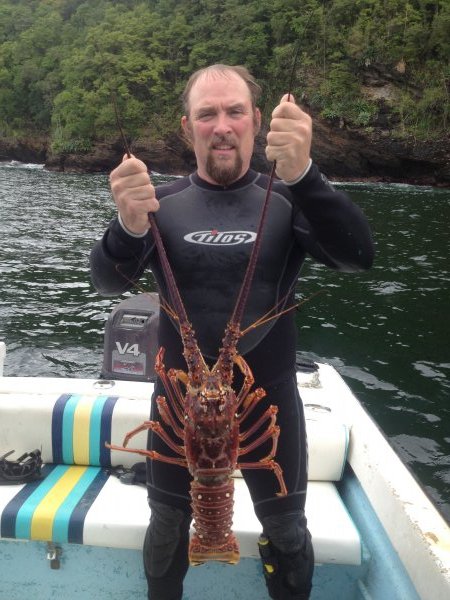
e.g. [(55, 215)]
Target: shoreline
[(343, 154), (334, 179)]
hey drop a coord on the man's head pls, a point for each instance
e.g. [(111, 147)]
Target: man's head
[(221, 120)]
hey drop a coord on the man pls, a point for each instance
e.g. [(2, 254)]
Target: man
[(224, 196)]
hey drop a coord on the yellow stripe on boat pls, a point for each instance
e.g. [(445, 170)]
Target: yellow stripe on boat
[(44, 515), (81, 431)]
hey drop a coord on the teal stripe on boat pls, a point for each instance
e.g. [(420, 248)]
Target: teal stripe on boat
[(67, 429), (76, 524), (26, 511), (95, 429), (60, 531)]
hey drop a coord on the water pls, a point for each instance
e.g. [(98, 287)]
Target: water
[(385, 330)]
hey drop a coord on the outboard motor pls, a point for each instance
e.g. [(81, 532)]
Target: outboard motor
[(131, 341)]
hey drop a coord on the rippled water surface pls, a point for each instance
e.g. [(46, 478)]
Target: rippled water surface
[(386, 331)]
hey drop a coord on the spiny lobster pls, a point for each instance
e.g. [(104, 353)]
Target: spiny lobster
[(206, 416)]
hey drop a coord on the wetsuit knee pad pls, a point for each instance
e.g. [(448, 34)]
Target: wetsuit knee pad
[(167, 536), (287, 554)]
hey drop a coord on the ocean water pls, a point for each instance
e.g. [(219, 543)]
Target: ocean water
[(385, 330)]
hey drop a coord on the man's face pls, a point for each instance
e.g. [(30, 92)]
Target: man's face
[(221, 126)]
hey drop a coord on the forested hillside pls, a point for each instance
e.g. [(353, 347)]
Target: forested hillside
[(360, 61)]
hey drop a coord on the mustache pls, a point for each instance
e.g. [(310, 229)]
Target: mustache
[(223, 139)]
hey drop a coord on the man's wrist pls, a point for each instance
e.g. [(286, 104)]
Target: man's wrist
[(124, 227), (302, 175)]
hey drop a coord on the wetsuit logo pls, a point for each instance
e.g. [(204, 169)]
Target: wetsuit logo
[(220, 238)]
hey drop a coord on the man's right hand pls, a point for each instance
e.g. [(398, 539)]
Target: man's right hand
[(133, 194)]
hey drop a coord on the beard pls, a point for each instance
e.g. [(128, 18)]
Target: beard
[(224, 174)]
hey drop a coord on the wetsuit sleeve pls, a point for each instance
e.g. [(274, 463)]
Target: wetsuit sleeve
[(118, 260), (329, 226)]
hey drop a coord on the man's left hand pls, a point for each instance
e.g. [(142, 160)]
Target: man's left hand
[(289, 139)]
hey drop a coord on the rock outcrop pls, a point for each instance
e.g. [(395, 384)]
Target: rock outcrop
[(352, 154), (27, 150), (343, 153)]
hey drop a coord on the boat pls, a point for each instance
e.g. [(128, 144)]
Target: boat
[(77, 531)]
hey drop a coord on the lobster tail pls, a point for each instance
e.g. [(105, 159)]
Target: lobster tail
[(213, 539)]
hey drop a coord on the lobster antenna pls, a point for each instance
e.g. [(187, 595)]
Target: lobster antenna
[(119, 125), (168, 273), (269, 316), (248, 278), (167, 270)]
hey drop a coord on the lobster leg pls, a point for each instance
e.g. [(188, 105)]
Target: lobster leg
[(176, 399), (271, 433), (152, 454), (145, 426), (251, 402), (270, 413), (168, 418), (157, 428), (249, 380), (175, 376), (268, 464)]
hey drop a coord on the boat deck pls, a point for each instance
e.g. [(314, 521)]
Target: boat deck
[(45, 547)]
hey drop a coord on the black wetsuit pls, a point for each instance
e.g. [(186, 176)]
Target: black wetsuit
[(208, 233)]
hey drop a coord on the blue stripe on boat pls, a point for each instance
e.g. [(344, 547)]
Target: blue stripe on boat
[(57, 428), (105, 430), (76, 522), (9, 513), (64, 513)]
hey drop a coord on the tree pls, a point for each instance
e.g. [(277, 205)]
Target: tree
[(60, 59)]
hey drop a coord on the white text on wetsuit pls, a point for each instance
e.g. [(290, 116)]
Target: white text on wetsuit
[(221, 238)]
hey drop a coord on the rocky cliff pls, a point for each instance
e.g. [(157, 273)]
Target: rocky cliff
[(342, 152)]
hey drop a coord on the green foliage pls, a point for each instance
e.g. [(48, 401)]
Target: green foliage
[(61, 60)]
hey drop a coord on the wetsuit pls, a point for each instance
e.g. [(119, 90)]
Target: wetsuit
[(208, 232)]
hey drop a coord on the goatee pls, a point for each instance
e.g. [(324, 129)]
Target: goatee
[(224, 174)]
